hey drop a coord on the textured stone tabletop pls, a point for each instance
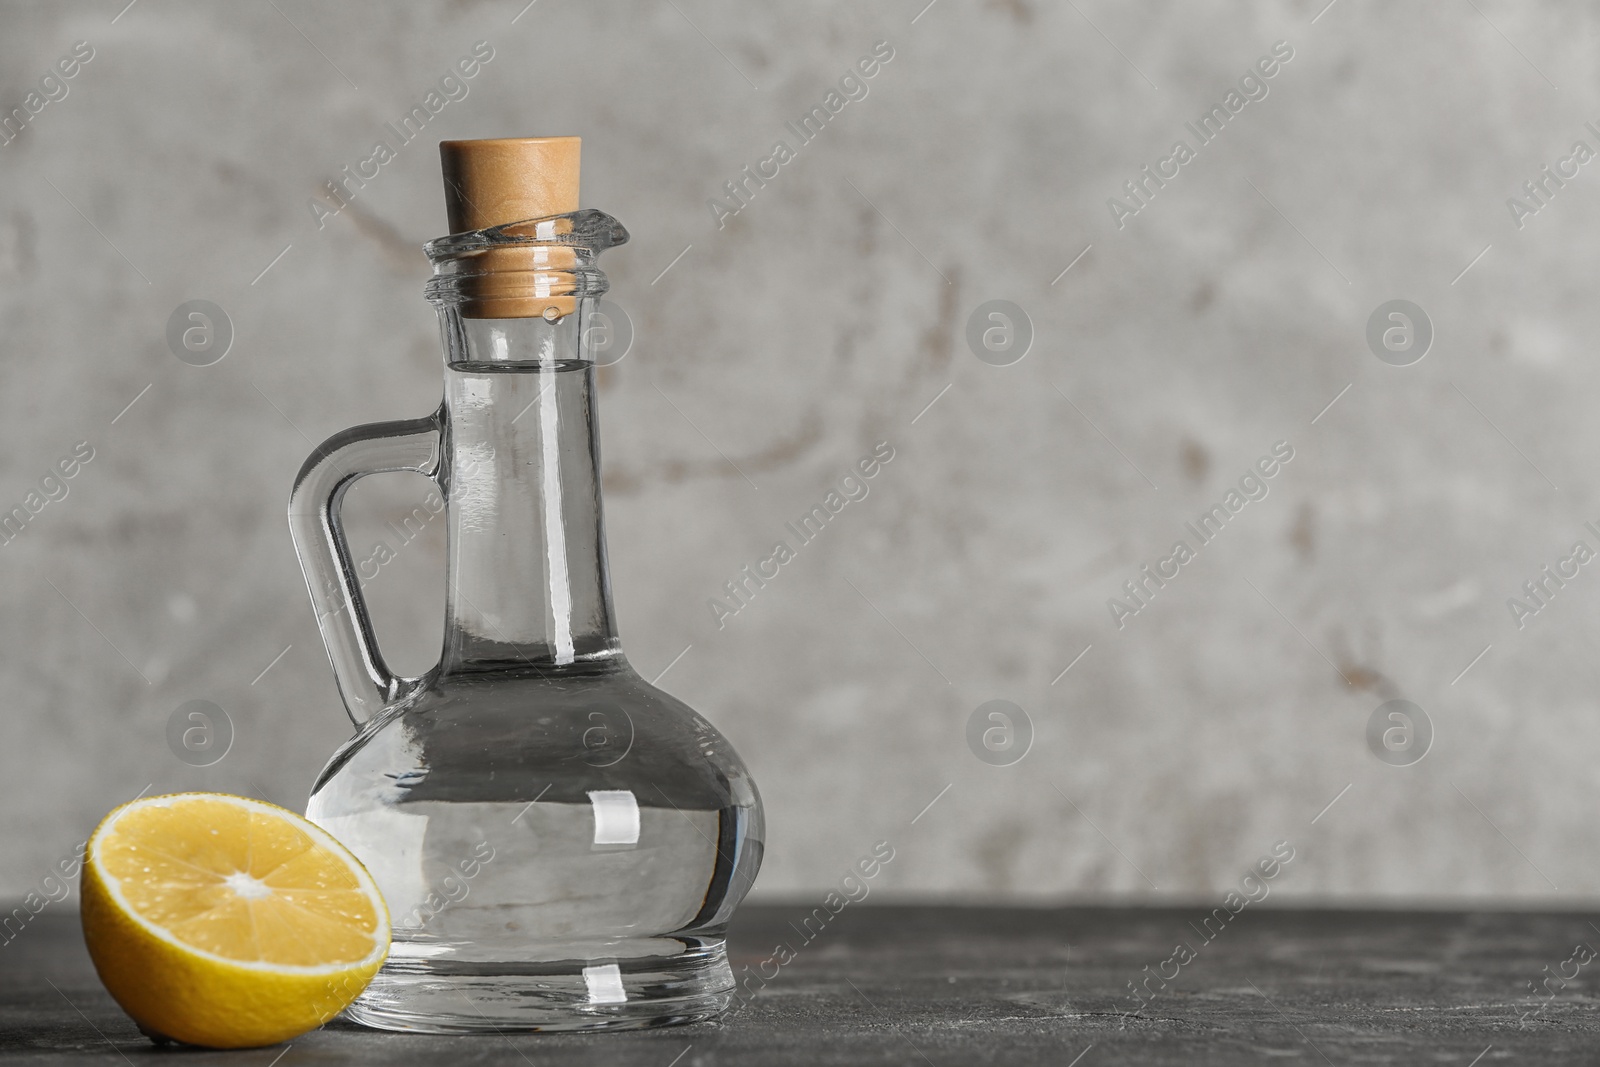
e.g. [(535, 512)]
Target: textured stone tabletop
[(959, 986)]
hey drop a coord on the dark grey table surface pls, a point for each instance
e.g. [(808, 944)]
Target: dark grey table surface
[(936, 985)]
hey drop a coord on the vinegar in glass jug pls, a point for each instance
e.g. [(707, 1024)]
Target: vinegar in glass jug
[(560, 843)]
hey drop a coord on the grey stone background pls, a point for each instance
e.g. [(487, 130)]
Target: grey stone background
[(827, 316)]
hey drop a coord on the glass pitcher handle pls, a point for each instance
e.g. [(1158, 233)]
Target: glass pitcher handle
[(366, 683)]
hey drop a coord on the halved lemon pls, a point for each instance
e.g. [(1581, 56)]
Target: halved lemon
[(223, 921)]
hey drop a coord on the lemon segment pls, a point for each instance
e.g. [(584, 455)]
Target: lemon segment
[(224, 921)]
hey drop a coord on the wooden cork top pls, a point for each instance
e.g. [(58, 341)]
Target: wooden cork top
[(509, 179), (506, 180)]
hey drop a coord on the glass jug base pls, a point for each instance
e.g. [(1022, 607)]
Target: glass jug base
[(438, 997)]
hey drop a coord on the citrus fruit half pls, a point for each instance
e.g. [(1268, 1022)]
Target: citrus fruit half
[(224, 921)]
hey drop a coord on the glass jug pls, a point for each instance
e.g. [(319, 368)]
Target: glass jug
[(560, 843)]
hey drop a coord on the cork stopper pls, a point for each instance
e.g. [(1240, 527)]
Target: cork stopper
[(491, 183), (505, 180)]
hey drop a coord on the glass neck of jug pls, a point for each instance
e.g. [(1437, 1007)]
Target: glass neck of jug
[(528, 583)]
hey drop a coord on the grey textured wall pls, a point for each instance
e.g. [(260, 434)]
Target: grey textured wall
[(1221, 317)]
